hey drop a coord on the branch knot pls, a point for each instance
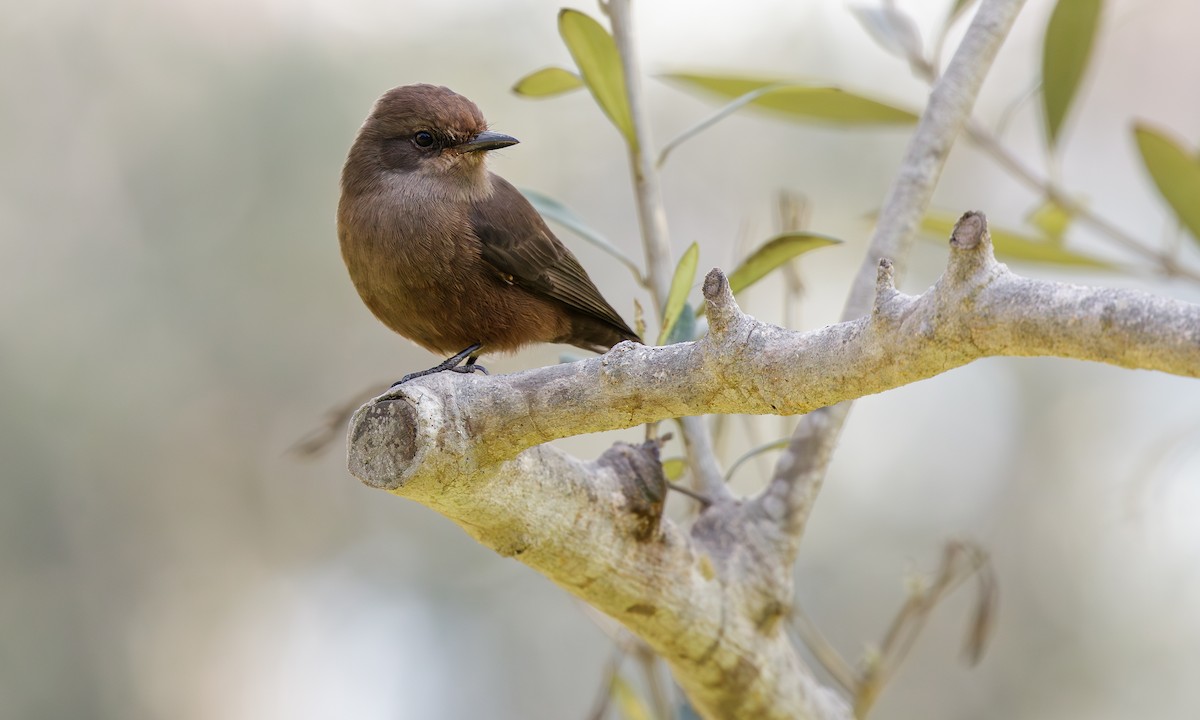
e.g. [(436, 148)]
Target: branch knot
[(723, 310), (970, 230)]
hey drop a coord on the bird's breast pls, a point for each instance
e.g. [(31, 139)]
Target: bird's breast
[(417, 266)]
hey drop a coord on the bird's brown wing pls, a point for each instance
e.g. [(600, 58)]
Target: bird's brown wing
[(515, 240)]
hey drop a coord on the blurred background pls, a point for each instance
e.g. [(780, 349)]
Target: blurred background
[(174, 315)]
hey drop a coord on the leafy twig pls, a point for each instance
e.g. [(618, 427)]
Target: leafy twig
[(653, 218)]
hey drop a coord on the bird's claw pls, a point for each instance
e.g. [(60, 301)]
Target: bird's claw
[(470, 369)]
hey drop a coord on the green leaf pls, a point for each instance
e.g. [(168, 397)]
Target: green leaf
[(1011, 246), (798, 101), (673, 468), (629, 705), (957, 10), (772, 254), (547, 82), (1065, 52), (1176, 173), (1052, 219), (596, 56), (552, 209), (684, 328), (681, 285)]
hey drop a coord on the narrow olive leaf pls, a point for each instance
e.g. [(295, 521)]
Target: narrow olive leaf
[(673, 468), (684, 328), (892, 29), (552, 209), (681, 285), (1176, 173), (1012, 246), (629, 704), (547, 82), (960, 6), (1065, 53), (595, 54), (774, 253), (798, 101), (1052, 219)]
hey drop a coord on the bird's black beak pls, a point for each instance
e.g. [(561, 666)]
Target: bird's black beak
[(487, 140)]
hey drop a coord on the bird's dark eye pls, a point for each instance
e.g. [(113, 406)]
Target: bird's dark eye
[(423, 138)]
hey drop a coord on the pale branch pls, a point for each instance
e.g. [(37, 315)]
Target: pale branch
[(647, 189), (706, 471), (797, 479), (943, 120), (703, 601), (977, 309), (709, 600)]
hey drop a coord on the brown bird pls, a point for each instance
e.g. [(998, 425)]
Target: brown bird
[(450, 255)]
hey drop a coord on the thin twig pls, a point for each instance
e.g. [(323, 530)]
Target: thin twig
[(1054, 193), (946, 113), (721, 113), (751, 454), (653, 218), (320, 438), (659, 696), (989, 142), (807, 632), (960, 561), (604, 697)]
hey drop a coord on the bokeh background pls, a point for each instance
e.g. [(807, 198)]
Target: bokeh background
[(174, 314)]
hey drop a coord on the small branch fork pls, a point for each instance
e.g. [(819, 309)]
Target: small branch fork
[(709, 599)]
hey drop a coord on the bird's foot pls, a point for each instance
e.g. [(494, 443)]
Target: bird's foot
[(469, 368), (451, 364)]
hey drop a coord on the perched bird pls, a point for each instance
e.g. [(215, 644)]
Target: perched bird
[(450, 255)]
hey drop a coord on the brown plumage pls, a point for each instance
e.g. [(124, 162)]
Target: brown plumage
[(448, 254)]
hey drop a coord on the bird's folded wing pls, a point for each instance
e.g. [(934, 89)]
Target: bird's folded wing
[(515, 240)]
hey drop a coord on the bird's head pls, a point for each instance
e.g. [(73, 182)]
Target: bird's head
[(429, 132)]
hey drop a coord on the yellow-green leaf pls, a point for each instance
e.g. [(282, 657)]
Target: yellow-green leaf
[(1176, 173), (673, 468), (547, 82), (798, 101), (1065, 52), (1052, 219), (1011, 246), (681, 285), (772, 254), (957, 10), (627, 701), (595, 54)]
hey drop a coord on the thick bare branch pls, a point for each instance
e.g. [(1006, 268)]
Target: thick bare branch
[(710, 601), (977, 309), (596, 529)]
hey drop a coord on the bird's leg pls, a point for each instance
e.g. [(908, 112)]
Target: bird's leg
[(450, 363), (471, 367)]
